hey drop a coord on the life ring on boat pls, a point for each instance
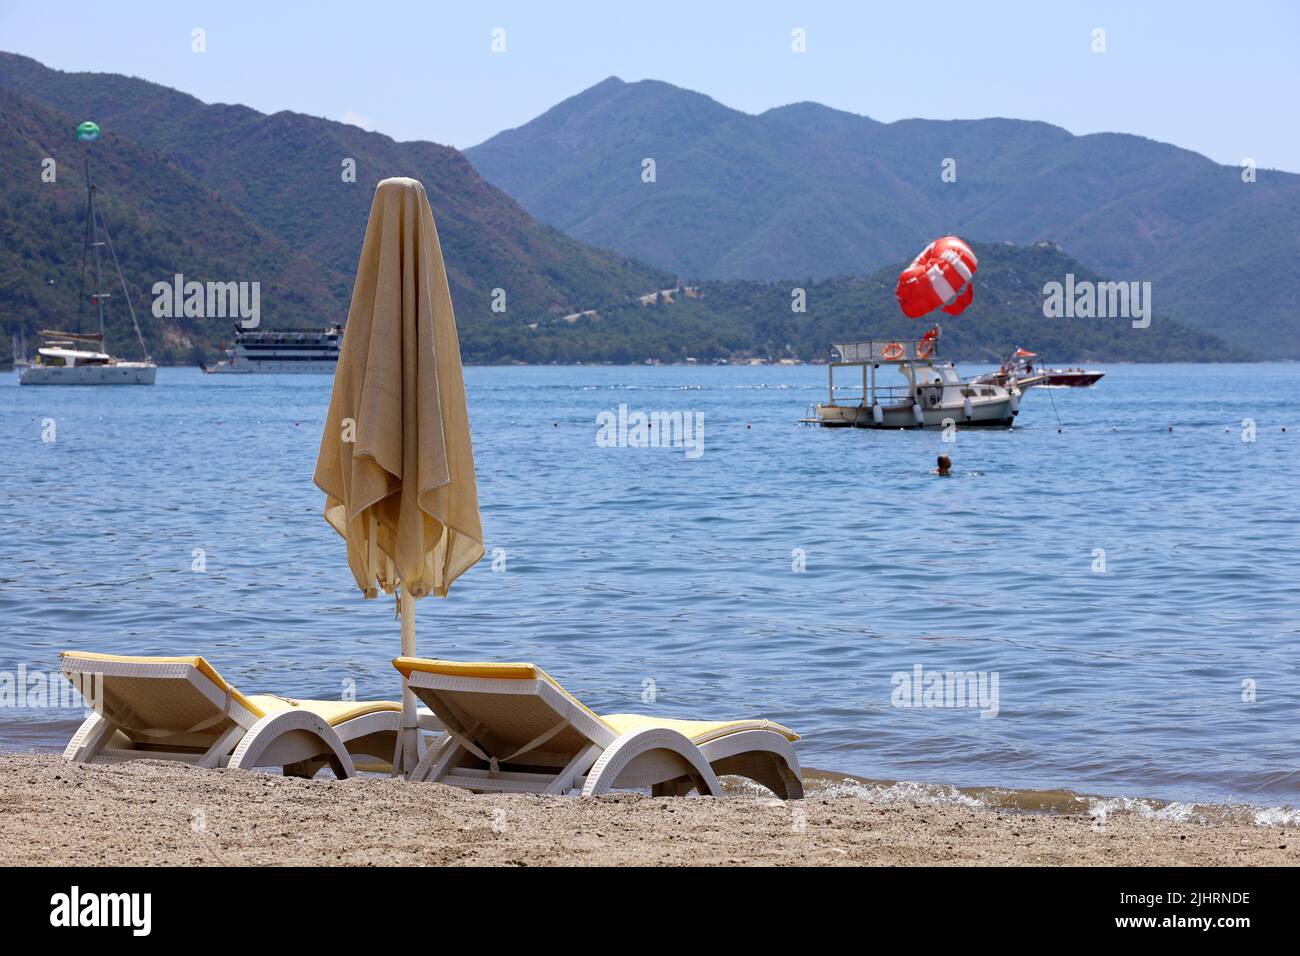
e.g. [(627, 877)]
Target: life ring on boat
[(925, 349), (893, 351)]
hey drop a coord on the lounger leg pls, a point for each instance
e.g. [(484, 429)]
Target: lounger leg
[(213, 756), (579, 765), (648, 757), (435, 761), (89, 739), (306, 736), (432, 756)]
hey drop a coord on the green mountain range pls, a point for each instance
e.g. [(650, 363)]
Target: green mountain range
[(224, 193), (804, 190), (736, 319), (160, 221)]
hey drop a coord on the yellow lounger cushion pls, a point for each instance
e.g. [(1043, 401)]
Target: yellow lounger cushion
[(333, 712), (697, 731), (490, 669)]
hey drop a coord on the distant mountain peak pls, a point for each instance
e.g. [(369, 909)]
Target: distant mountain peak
[(809, 190), (811, 110)]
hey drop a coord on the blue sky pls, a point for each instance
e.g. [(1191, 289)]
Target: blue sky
[(1219, 78)]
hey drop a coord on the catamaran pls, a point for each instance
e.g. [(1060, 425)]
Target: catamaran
[(79, 358), (933, 394)]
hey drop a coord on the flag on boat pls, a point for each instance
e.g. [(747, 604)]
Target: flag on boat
[(941, 277), (1025, 353)]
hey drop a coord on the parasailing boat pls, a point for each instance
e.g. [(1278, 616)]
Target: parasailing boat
[(79, 358), (933, 395)]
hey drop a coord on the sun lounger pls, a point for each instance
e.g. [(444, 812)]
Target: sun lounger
[(180, 708), (512, 728)]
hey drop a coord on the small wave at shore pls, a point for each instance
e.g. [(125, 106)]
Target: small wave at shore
[(822, 783)]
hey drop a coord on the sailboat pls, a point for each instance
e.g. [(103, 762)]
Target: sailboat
[(80, 358), (19, 342)]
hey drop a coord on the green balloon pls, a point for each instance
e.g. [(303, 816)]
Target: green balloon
[(87, 132)]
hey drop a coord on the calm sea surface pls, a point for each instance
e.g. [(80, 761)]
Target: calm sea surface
[(648, 581)]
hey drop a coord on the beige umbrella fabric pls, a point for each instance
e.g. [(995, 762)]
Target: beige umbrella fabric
[(396, 463)]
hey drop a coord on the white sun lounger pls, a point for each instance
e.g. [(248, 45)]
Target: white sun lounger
[(512, 728), (180, 708)]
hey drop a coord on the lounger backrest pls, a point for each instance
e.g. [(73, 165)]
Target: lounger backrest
[(505, 707), (152, 697)]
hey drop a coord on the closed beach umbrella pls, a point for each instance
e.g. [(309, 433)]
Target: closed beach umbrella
[(396, 464)]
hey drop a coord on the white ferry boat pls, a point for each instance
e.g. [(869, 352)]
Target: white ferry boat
[(933, 394), (293, 352)]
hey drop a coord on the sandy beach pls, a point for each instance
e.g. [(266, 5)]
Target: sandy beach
[(155, 813)]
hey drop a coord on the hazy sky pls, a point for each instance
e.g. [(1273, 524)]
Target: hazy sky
[(1219, 78)]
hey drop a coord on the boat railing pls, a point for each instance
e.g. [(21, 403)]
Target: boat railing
[(884, 394), (877, 351)]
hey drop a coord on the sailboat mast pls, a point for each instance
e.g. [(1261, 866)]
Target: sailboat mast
[(95, 244)]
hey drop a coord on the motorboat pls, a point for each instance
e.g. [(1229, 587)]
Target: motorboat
[(1020, 369)]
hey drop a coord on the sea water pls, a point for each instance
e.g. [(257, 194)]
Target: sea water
[(1121, 570)]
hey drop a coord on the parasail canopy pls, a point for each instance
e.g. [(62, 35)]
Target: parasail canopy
[(87, 132), (941, 277)]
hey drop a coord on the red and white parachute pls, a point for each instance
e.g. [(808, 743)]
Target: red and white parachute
[(941, 277)]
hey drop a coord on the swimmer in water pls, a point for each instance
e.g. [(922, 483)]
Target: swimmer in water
[(945, 466)]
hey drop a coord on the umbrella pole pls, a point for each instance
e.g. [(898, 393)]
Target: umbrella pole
[(410, 744)]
